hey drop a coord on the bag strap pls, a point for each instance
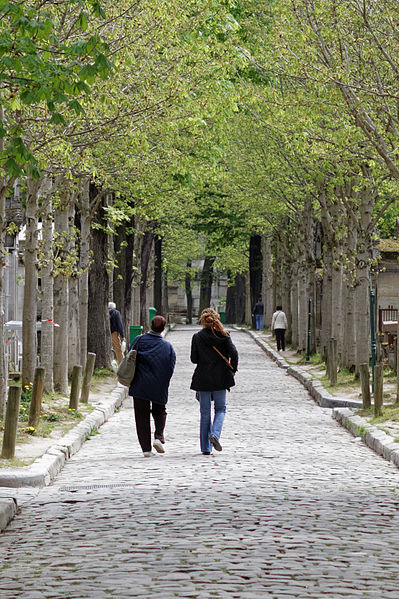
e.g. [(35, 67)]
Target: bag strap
[(136, 342), (222, 356)]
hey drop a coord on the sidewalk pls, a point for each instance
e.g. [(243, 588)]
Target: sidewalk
[(45, 468), (384, 440)]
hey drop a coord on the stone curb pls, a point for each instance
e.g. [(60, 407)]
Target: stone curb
[(314, 386), (377, 440), (44, 469), (8, 509)]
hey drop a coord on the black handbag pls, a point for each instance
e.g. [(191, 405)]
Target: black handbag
[(127, 368)]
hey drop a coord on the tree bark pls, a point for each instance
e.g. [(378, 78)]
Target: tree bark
[(206, 280), (189, 294), (145, 260), (267, 280), (158, 275), (29, 318), (84, 263), (61, 303), (47, 285), (98, 329), (255, 268)]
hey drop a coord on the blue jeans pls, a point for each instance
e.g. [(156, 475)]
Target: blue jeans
[(207, 427), (259, 322)]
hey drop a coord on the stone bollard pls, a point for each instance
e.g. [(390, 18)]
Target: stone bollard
[(365, 385), (89, 369), (11, 422), (75, 387), (378, 389), (36, 399)]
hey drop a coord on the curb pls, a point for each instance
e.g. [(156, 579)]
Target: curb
[(377, 440), (44, 469), (8, 509)]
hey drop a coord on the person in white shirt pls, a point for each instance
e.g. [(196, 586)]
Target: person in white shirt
[(279, 324)]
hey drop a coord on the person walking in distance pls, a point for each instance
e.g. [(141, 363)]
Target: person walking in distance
[(155, 364), (257, 313), (117, 332), (216, 357), (279, 324)]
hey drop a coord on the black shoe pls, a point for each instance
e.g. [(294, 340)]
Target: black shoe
[(215, 442), (206, 453)]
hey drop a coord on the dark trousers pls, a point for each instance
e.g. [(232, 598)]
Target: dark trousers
[(280, 338), (142, 410)]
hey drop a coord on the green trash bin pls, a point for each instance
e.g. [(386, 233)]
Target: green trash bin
[(222, 317), (134, 331), (151, 313)]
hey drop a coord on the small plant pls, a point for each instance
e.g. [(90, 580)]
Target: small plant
[(51, 417), (30, 430), (26, 394), (75, 413)]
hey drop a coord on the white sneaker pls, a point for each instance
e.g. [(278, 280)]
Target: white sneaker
[(158, 446), (148, 454)]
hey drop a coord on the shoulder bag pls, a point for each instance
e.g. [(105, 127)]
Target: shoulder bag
[(127, 368)]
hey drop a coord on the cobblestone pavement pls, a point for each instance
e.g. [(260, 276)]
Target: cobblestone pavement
[(293, 507)]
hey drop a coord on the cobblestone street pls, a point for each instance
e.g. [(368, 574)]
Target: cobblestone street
[(292, 507)]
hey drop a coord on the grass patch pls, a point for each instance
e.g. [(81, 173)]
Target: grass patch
[(15, 463), (345, 378), (388, 413), (56, 418), (313, 359)]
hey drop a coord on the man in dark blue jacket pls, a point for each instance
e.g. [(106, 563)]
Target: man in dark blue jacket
[(155, 364)]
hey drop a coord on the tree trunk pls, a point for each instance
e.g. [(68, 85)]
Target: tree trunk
[(145, 260), (47, 285), (136, 269), (286, 297), (267, 281), (74, 352), (189, 294), (158, 275), (206, 279), (248, 307), (118, 282), (61, 304), (5, 185), (29, 318), (362, 317), (84, 263), (255, 268), (98, 329), (294, 313)]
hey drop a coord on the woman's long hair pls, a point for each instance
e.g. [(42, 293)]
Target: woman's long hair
[(211, 320)]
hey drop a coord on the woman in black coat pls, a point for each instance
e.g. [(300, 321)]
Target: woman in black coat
[(212, 376)]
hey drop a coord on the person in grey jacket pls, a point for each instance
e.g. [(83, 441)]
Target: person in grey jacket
[(211, 349), (279, 324)]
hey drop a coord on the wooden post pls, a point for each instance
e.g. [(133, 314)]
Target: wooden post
[(89, 369), (332, 361), (378, 389), (365, 385), (75, 387), (11, 422), (36, 400)]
